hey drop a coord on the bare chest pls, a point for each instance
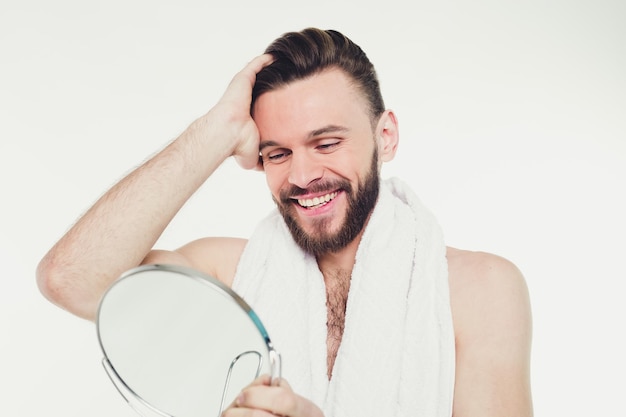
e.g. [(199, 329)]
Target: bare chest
[(336, 299)]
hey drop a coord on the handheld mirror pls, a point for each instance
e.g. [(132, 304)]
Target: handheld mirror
[(180, 343)]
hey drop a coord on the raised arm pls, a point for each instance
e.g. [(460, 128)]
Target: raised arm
[(118, 232)]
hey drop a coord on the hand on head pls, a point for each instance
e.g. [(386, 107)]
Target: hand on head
[(232, 113)]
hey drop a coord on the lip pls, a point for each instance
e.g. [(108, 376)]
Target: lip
[(319, 209)]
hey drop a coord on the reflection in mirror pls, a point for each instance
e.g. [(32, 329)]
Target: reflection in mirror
[(180, 343)]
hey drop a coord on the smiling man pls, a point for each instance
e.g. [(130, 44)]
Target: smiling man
[(372, 313), (324, 178)]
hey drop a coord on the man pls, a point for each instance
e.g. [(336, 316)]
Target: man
[(310, 114)]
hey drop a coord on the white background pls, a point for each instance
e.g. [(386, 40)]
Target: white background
[(513, 131)]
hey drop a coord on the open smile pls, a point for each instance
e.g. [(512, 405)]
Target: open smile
[(311, 203)]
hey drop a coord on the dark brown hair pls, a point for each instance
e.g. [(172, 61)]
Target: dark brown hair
[(298, 55)]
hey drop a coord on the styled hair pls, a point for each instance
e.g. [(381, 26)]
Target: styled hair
[(298, 55)]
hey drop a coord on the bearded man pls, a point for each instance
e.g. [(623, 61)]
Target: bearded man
[(373, 314)]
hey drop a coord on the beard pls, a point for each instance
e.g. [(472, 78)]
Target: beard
[(360, 204)]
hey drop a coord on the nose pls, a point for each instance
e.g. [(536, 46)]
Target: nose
[(304, 169)]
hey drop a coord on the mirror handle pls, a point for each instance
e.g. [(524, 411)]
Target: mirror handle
[(275, 366)]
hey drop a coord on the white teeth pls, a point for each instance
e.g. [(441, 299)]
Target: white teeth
[(317, 200)]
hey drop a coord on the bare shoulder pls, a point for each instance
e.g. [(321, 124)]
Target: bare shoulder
[(215, 256), (482, 271), (483, 284), (493, 326)]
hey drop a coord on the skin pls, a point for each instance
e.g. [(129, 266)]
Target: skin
[(324, 132)]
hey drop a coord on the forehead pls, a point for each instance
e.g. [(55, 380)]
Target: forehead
[(327, 98)]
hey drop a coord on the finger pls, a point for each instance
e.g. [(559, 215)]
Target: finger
[(258, 381), (278, 400), (260, 62), (262, 380), (273, 399), (247, 76), (234, 411), (282, 382)]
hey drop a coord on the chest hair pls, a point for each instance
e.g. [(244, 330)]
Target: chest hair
[(337, 287)]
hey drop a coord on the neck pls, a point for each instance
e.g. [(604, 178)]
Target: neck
[(342, 260)]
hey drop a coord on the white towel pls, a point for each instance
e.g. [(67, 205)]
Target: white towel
[(397, 353)]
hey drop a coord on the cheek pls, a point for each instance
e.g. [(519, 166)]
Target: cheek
[(355, 164)]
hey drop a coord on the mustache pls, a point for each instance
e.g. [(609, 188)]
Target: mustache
[(291, 192)]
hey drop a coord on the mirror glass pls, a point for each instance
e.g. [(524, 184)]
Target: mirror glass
[(180, 343)]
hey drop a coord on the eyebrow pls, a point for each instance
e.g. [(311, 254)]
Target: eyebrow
[(317, 132), (327, 129)]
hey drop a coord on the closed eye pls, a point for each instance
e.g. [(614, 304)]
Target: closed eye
[(328, 146), (276, 156)]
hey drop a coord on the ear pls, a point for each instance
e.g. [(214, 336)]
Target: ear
[(387, 136), (259, 164)]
